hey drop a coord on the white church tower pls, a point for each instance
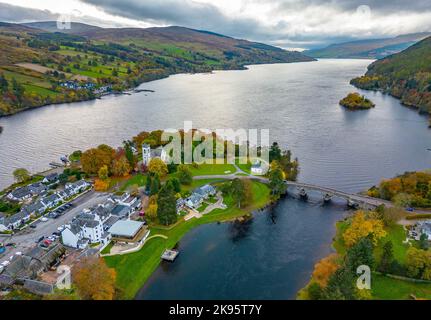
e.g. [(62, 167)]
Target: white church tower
[(146, 154)]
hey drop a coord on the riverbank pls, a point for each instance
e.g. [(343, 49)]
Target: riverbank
[(384, 285), (133, 270)]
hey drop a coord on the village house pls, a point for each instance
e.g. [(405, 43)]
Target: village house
[(33, 262), (425, 228), (37, 188), (87, 228), (51, 201), (76, 187), (51, 179), (20, 194), (205, 191), (14, 221), (194, 201)]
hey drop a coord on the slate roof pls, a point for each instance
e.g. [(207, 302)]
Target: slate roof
[(120, 210), (20, 193)]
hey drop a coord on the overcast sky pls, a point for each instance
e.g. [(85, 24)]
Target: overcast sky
[(285, 23)]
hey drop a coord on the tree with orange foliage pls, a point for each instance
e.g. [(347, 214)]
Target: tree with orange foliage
[(101, 185), (324, 269), (363, 226), (94, 280)]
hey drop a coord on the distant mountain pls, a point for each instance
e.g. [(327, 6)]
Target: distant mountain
[(51, 26), (405, 75), (368, 49)]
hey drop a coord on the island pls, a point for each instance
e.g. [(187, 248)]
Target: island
[(354, 101)]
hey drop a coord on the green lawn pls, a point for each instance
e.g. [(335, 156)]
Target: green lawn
[(212, 169), (385, 288), (138, 179), (397, 235), (203, 207), (108, 248), (134, 269)]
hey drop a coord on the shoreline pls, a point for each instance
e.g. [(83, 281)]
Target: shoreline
[(156, 77), (174, 234)]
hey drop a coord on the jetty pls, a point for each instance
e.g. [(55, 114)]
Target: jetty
[(169, 255)]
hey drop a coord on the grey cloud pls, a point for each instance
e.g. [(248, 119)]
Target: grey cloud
[(379, 6), (11, 13)]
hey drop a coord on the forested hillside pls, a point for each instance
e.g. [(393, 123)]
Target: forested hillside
[(39, 67), (406, 75)]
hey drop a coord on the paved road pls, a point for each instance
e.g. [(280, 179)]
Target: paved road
[(26, 239)]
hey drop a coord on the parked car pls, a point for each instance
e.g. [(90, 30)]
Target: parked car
[(40, 239), (5, 263), (44, 219), (410, 209), (18, 253), (58, 234), (33, 226), (10, 244)]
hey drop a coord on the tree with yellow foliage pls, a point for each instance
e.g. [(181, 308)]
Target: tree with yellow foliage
[(157, 166), (363, 226), (94, 280), (151, 211)]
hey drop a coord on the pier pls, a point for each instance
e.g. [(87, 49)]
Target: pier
[(169, 255)]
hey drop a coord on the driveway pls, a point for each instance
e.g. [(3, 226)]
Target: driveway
[(26, 238)]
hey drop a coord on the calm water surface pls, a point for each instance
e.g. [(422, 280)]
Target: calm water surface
[(273, 255)]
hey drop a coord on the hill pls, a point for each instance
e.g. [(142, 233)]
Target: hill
[(51, 26), (39, 66), (405, 75), (368, 49)]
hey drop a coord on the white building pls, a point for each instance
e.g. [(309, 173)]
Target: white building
[(87, 228), (148, 154)]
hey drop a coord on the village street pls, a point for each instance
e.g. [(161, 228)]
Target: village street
[(27, 238)]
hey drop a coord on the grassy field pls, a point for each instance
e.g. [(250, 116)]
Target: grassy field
[(138, 180), (134, 269), (212, 169), (385, 288)]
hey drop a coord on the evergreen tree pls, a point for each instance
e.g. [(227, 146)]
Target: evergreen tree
[(274, 152), (176, 184), (340, 286), (148, 183), (166, 204), (3, 84), (155, 185), (360, 254), (276, 183), (387, 259)]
